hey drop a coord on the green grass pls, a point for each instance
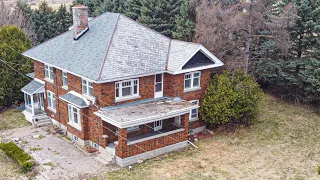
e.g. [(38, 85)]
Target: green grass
[(8, 168), (11, 119), (36, 149), (282, 144)]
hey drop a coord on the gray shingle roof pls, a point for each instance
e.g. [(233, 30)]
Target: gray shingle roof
[(115, 47), (32, 87), (71, 97)]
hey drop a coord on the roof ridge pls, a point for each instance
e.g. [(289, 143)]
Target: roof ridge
[(107, 51), (186, 41)]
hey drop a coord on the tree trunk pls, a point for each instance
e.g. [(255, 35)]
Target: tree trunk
[(248, 41)]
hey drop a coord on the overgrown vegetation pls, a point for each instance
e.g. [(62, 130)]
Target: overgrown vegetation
[(16, 153), (231, 98), (11, 119)]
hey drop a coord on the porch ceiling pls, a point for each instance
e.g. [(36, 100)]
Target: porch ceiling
[(145, 111), (33, 87)]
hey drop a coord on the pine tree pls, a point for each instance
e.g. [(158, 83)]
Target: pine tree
[(160, 15), (13, 43), (117, 6), (64, 19), (133, 9), (185, 21)]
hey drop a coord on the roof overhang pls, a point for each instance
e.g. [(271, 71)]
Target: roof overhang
[(75, 99), (34, 87)]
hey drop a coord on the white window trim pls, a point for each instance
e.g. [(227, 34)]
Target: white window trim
[(51, 99), (90, 97), (71, 121), (49, 79), (63, 85), (197, 118), (192, 87), (125, 98), (133, 128)]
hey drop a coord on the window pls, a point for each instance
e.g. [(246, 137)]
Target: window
[(51, 101), (127, 88), (48, 72), (95, 145), (75, 138), (192, 80), (74, 115), (157, 125), (133, 128), (87, 88), (177, 121), (64, 80), (116, 133), (194, 112)]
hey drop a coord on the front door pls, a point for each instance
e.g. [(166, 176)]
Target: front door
[(157, 125), (158, 85), (41, 101)]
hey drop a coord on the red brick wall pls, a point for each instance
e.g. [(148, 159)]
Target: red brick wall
[(123, 150)]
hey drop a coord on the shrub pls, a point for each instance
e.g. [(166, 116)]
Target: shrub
[(16, 153), (231, 98)]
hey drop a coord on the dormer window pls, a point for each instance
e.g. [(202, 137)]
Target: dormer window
[(87, 88), (127, 89), (192, 81), (48, 73)]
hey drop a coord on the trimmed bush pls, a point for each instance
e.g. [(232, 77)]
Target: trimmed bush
[(16, 153), (231, 98)]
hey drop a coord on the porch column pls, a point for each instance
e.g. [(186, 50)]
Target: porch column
[(32, 104), (185, 124), (121, 147)]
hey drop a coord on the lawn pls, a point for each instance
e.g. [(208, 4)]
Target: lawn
[(12, 119), (282, 144)]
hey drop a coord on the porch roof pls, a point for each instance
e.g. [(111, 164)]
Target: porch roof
[(75, 99), (145, 111), (33, 87)]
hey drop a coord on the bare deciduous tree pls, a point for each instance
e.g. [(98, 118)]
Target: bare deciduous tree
[(14, 16)]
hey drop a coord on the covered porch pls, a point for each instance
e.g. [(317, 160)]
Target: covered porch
[(147, 128), (34, 93)]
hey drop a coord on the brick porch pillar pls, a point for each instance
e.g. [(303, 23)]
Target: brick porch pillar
[(184, 120), (121, 147)]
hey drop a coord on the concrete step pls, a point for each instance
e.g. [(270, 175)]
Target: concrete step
[(43, 122), (105, 159)]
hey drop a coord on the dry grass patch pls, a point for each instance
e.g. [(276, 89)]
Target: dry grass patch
[(283, 144), (8, 168), (11, 119)]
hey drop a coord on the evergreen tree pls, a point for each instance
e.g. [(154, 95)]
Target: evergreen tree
[(185, 21), (133, 9), (89, 3), (160, 15), (64, 19), (117, 6), (306, 31), (13, 43)]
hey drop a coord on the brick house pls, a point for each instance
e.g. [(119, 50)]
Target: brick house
[(118, 86)]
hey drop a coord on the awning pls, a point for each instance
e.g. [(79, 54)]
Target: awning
[(75, 99), (144, 111), (33, 87)]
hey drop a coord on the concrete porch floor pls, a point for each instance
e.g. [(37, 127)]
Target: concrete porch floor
[(58, 158)]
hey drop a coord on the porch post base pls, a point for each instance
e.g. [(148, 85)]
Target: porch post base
[(150, 154)]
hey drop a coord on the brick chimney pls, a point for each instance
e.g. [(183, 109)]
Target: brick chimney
[(80, 20)]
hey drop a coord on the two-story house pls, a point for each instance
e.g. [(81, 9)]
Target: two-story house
[(118, 86)]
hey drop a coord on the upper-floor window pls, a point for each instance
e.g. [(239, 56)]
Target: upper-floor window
[(74, 116), (194, 112), (64, 80), (51, 101), (127, 89), (192, 80), (87, 88), (48, 72), (133, 128)]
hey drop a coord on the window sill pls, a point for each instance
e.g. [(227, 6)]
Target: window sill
[(76, 126), (65, 87), (191, 89), (48, 80), (126, 98), (52, 110), (195, 119)]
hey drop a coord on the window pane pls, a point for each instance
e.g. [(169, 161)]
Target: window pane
[(126, 91), (90, 91), (49, 101), (159, 78), (135, 89), (194, 116), (158, 87), (46, 72), (75, 118), (53, 104), (196, 74), (195, 82), (90, 84), (193, 111), (84, 89), (117, 92), (187, 83)]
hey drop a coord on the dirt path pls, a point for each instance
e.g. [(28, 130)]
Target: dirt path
[(283, 144)]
